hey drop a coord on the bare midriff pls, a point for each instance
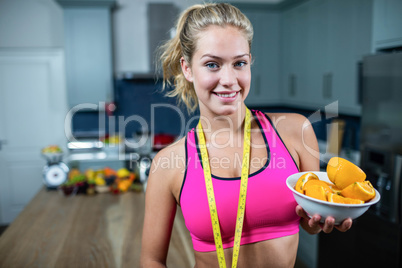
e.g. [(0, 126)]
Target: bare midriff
[(273, 253)]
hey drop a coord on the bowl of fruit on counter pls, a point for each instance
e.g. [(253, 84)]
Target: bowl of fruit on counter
[(52, 153), (104, 180), (342, 192)]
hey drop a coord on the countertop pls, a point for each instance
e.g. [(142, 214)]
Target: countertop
[(104, 230)]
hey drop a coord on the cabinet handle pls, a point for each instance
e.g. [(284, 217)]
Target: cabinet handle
[(327, 86), (292, 85), (360, 83)]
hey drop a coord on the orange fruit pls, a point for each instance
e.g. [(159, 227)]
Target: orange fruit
[(323, 184), (335, 189), (359, 190), (303, 180), (109, 172), (316, 191), (343, 173), (334, 198)]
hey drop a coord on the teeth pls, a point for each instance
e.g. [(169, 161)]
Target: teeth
[(226, 95)]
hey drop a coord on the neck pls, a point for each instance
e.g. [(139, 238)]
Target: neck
[(223, 127)]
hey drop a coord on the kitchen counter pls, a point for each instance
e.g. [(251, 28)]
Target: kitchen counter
[(104, 230)]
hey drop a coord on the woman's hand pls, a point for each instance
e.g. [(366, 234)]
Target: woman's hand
[(313, 226)]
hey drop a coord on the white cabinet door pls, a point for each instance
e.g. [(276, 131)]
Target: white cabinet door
[(265, 52), (306, 42), (297, 58), (88, 54), (350, 40), (32, 111), (288, 37), (323, 41), (317, 53), (387, 24)]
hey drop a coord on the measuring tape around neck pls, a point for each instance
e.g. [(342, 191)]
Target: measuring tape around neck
[(242, 195)]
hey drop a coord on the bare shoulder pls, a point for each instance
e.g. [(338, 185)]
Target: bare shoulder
[(168, 166), (177, 148), (289, 123), (299, 137)]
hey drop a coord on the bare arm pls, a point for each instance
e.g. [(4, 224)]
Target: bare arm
[(298, 134), (160, 211), (308, 154)]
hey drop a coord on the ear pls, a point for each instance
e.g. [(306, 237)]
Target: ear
[(185, 67)]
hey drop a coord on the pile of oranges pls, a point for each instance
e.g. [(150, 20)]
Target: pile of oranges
[(349, 184)]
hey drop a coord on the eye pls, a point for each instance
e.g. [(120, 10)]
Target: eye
[(240, 64), (212, 65)]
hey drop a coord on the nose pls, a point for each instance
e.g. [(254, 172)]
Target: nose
[(228, 77)]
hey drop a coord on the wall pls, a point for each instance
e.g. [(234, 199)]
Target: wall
[(130, 32), (30, 23)]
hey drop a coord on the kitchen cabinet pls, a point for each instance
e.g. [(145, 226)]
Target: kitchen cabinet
[(33, 106), (349, 42), (88, 47), (265, 56), (387, 24), (298, 57), (323, 41)]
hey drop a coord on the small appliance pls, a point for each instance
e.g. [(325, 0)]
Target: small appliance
[(55, 172)]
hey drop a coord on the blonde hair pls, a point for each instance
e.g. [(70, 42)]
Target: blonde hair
[(190, 24)]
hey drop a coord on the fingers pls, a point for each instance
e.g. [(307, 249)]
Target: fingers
[(301, 213), (328, 225), (345, 225), (315, 225), (314, 222)]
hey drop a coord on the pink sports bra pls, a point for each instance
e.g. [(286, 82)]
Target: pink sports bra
[(270, 206)]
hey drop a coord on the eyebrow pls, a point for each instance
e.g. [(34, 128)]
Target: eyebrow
[(219, 58)]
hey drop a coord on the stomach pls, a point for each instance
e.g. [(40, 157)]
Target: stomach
[(279, 252)]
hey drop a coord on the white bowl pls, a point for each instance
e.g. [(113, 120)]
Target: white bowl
[(314, 206), (53, 157)]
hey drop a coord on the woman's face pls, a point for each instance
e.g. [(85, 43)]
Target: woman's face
[(220, 70)]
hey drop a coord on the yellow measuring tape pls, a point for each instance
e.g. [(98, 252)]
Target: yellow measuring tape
[(242, 196)]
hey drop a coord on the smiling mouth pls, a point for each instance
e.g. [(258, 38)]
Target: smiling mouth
[(231, 95)]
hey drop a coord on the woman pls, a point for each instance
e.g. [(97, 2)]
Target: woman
[(234, 158)]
